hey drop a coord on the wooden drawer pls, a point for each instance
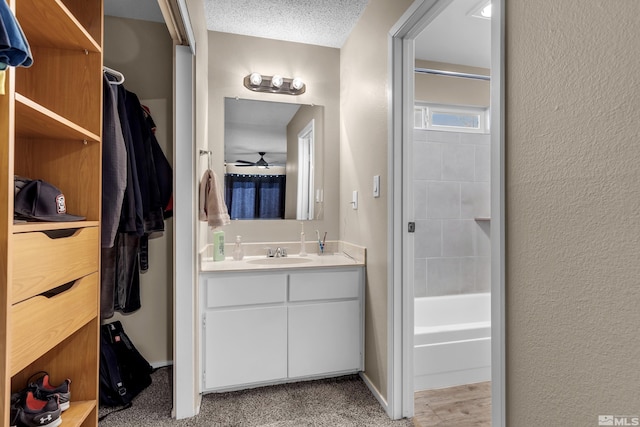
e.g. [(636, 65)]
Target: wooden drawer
[(225, 291), (41, 263), (324, 285), (40, 323)]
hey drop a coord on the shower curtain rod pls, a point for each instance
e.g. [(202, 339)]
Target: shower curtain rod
[(452, 74)]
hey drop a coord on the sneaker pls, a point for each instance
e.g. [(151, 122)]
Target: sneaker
[(28, 411), (42, 389)]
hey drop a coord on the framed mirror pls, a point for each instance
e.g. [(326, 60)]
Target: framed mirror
[(272, 159)]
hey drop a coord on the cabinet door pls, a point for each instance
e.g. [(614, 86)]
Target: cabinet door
[(324, 338), (245, 346)]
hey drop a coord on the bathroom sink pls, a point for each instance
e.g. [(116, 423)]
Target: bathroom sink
[(279, 261)]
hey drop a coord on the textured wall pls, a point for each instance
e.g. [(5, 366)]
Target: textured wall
[(364, 102), (572, 211)]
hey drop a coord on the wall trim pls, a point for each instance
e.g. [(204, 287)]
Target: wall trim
[(376, 393)]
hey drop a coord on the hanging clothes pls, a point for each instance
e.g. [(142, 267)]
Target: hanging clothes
[(114, 165), (145, 200)]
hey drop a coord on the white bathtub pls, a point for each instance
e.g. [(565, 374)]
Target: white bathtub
[(452, 341)]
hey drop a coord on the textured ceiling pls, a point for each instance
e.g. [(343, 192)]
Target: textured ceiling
[(317, 22), (453, 37)]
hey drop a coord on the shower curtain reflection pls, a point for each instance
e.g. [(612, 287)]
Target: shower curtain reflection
[(255, 196)]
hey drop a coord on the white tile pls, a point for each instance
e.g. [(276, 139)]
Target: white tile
[(442, 136), (483, 274), (443, 200), (467, 275), (475, 138), (420, 135), (458, 162), (443, 276), (458, 238), (427, 160), (420, 277), (475, 200), (428, 239), (483, 239), (483, 163), (420, 199)]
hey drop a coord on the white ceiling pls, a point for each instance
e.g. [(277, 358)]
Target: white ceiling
[(144, 10), (453, 37), (456, 37)]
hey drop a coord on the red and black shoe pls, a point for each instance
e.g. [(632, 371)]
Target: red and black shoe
[(42, 389), (28, 411)]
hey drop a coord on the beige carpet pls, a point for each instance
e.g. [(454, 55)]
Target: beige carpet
[(343, 401)]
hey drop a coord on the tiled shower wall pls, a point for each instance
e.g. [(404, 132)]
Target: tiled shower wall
[(451, 173)]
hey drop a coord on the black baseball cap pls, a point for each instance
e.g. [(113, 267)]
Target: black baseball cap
[(41, 201)]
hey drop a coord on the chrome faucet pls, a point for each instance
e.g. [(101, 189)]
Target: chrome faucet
[(278, 253)]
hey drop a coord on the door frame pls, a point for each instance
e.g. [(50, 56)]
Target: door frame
[(400, 395)]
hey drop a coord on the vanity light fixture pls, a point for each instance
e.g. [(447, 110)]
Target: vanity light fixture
[(274, 84)]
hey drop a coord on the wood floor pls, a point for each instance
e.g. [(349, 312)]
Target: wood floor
[(462, 406)]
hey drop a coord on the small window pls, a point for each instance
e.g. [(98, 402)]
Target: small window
[(451, 118)]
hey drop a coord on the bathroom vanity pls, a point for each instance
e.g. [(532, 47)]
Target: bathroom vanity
[(274, 320)]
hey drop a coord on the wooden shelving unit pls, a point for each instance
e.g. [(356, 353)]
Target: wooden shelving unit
[(51, 129)]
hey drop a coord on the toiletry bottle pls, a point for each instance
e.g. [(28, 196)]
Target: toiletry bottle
[(218, 245), (303, 249), (238, 250)]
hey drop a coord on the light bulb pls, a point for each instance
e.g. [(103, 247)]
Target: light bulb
[(276, 81), (255, 79), (297, 83)]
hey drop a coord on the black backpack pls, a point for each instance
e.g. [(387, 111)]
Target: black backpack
[(124, 372)]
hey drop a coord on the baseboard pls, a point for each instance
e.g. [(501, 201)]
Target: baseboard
[(381, 400), (161, 364)]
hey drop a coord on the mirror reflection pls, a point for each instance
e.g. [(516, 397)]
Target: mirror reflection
[(270, 151)]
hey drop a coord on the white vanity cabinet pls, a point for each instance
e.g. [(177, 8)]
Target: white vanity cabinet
[(267, 327), (325, 331), (244, 329)]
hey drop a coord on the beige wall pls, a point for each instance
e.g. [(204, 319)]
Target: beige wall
[(143, 52), (451, 90), (572, 211), (305, 114), (231, 58), (364, 100)]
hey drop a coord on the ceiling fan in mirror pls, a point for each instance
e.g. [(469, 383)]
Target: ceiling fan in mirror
[(260, 163)]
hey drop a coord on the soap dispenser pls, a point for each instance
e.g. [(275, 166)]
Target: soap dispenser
[(238, 250)]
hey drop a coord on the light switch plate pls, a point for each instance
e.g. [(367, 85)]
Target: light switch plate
[(354, 200), (376, 186)]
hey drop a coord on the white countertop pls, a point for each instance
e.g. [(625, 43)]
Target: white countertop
[(340, 254), (288, 263)]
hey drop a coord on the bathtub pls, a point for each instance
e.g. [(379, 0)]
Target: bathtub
[(452, 341)]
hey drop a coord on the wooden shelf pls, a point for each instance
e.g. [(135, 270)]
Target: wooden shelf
[(53, 26), (25, 227), (52, 131), (35, 121), (77, 413)]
